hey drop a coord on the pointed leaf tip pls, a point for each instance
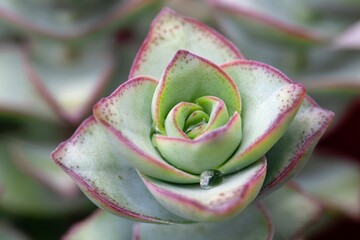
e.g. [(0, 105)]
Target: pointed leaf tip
[(170, 32)]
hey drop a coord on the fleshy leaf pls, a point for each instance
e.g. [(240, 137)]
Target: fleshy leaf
[(205, 152), (71, 83), (24, 196), (292, 211), (333, 180), (169, 33), (101, 225), (59, 24), (252, 224), (106, 178), (337, 84), (27, 101), (290, 153), (270, 102), (215, 204), (177, 117), (33, 159), (127, 118), (283, 21), (187, 78)]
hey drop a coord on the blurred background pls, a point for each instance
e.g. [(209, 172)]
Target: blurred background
[(58, 57)]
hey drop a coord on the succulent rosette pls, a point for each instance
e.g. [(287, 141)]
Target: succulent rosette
[(197, 133)]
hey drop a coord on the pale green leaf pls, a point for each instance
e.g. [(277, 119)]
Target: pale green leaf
[(106, 177), (215, 204)]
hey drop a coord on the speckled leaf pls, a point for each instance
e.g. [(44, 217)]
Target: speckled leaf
[(215, 204), (101, 225), (252, 224), (17, 93), (169, 33), (25, 196), (127, 119), (34, 159), (71, 83), (290, 153), (292, 211), (64, 24), (105, 176), (270, 102), (335, 181)]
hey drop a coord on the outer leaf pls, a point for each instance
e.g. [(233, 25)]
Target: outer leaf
[(292, 211), (127, 118), (50, 23), (280, 20), (106, 178), (337, 84), (35, 162), (13, 79), (335, 181), (101, 225), (169, 33), (187, 78), (70, 84), (270, 102), (252, 224), (290, 153), (25, 196), (215, 204)]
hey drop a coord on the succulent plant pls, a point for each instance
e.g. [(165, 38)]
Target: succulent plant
[(61, 56), (192, 134)]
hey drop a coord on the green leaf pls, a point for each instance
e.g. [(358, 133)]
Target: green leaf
[(18, 93), (34, 159), (62, 24), (205, 152), (69, 77), (291, 152), (282, 21), (106, 177), (169, 33), (335, 181), (101, 225), (126, 116), (215, 204), (270, 102), (187, 78), (334, 81), (25, 196), (252, 224), (292, 211)]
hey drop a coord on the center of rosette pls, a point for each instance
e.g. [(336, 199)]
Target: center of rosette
[(196, 110), (192, 120), (199, 135)]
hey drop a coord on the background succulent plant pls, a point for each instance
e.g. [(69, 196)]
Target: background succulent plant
[(62, 41)]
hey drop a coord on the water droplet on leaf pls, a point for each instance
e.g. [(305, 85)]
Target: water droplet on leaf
[(210, 179)]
